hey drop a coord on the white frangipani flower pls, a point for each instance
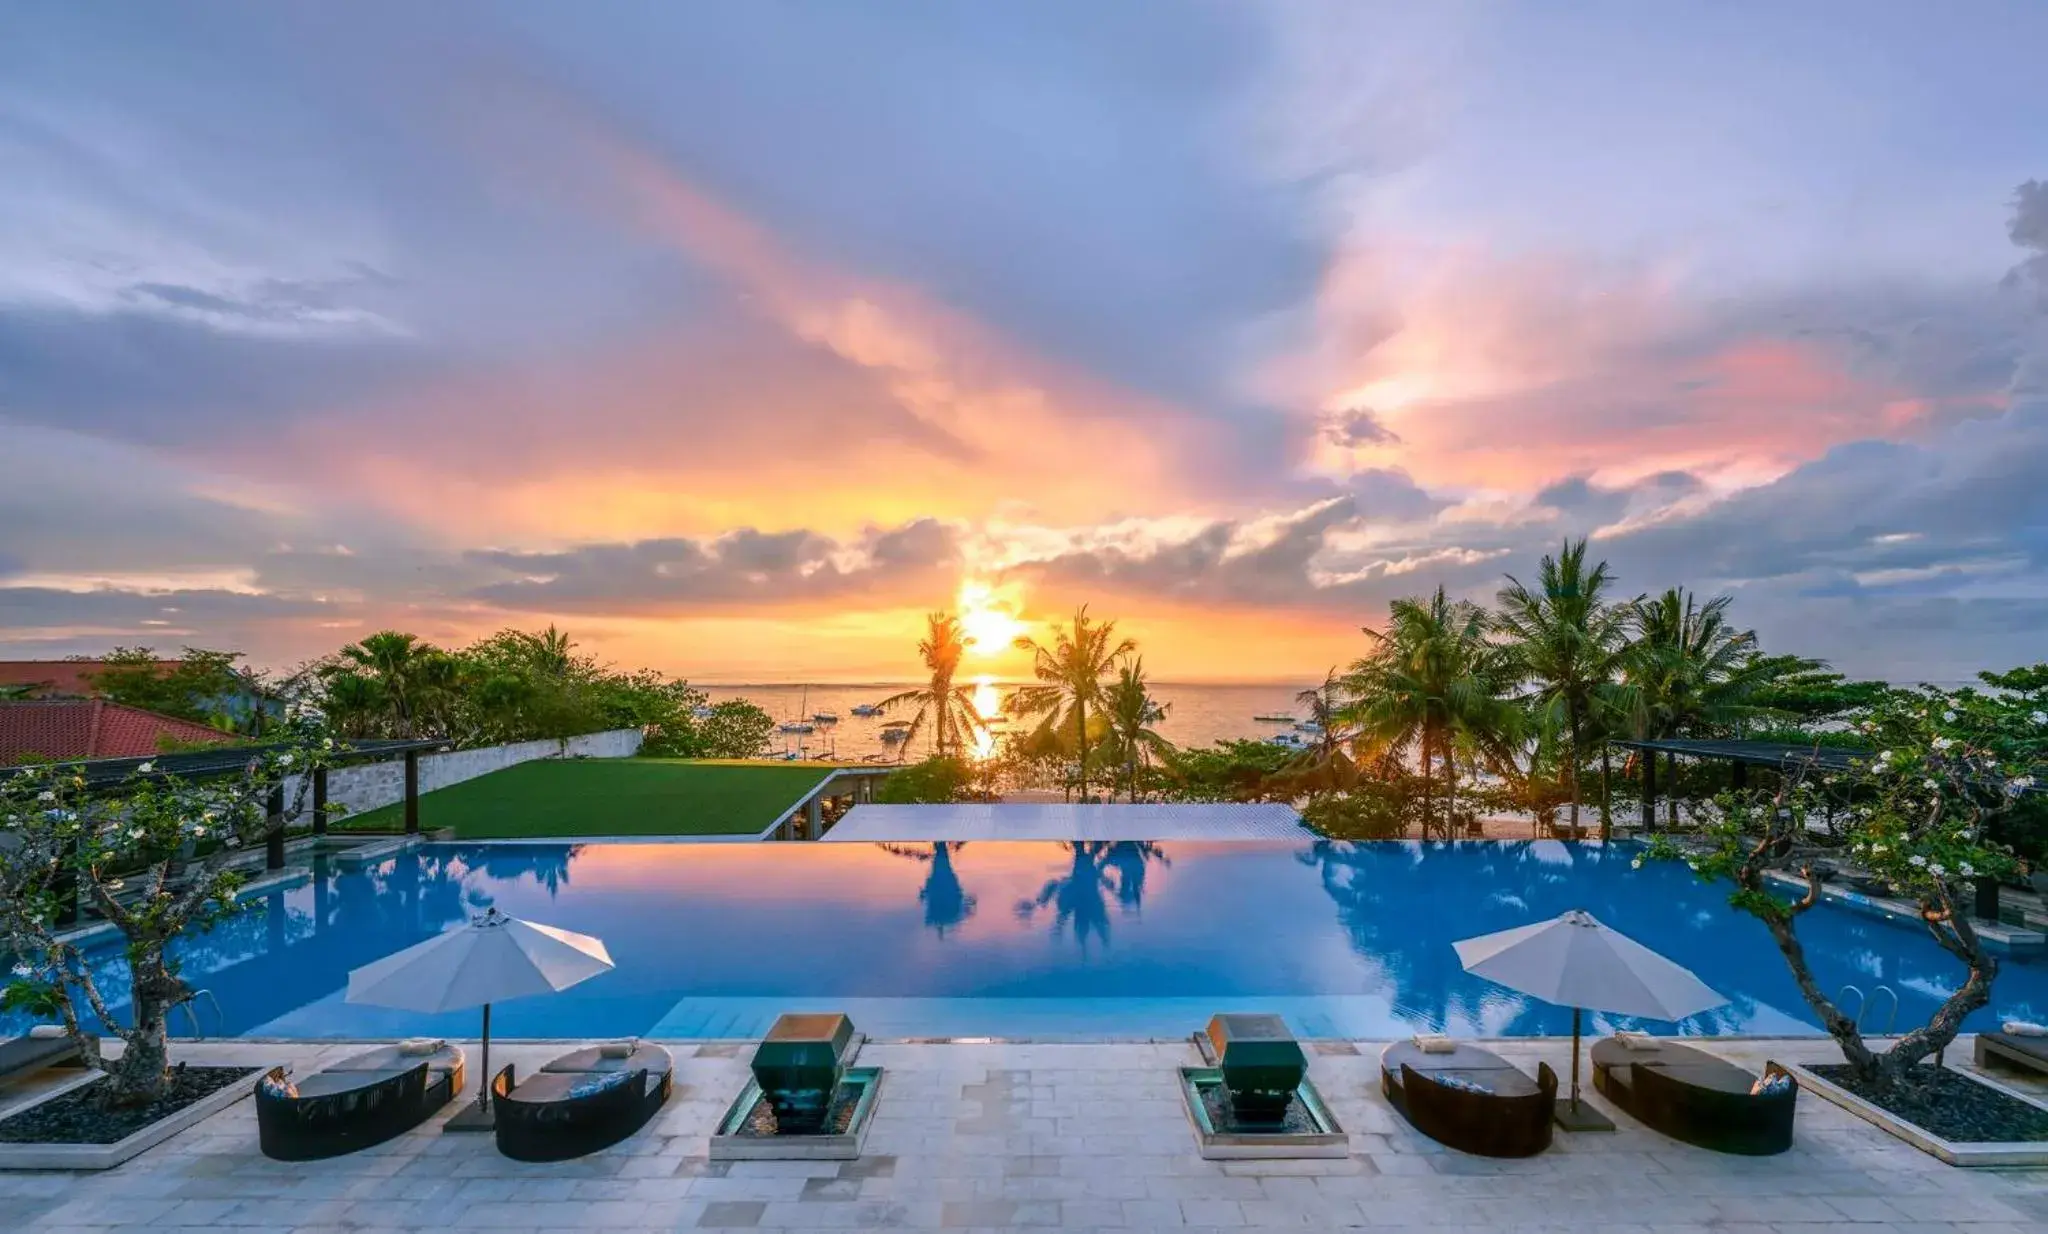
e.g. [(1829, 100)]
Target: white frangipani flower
[(1936, 869), (46, 795), (1966, 869), (1916, 859), (1949, 716), (146, 768)]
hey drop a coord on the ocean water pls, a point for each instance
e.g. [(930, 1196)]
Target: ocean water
[(1196, 714), (1075, 940)]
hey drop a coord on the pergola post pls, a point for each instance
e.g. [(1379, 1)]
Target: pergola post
[(1649, 790), (814, 817), (320, 801), (273, 830), (1987, 900), (1738, 776), (412, 792)]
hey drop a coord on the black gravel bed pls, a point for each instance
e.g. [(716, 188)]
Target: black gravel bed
[(1951, 1105), (77, 1117), (760, 1121), (1216, 1101)]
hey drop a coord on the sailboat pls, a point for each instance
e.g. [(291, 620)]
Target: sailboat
[(800, 725)]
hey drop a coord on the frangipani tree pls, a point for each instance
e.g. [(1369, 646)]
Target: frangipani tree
[(1922, 818), (151, 858)]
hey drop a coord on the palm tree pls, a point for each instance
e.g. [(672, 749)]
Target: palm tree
[(1132, 711), (1326, 765), (393, 660), (1568, 642), (948, 707), (550, 650), (1434, 687), (1070, 674), (1689, 672)]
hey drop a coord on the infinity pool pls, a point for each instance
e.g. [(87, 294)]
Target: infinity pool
[(1085, 940)]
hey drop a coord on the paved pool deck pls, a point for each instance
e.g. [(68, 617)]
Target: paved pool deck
[(1023, 1136)]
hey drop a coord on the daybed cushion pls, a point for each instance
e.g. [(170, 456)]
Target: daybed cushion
[(590, 1084)]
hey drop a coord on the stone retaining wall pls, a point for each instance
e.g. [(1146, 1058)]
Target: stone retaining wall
[(366, 786)]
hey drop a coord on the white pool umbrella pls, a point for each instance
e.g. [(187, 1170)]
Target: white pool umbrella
[(1574, 961), (490, 960)]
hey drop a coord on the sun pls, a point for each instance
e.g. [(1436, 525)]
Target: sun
[(988, 619)]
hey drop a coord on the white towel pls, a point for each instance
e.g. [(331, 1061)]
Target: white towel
[(1435, 1043), (421, 1046), (2021, 1028), (45, 1032), (1636, 1041), (618, 1049)]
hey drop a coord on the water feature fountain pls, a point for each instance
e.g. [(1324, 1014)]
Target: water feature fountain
[(804, 1101), (1254, 1099)]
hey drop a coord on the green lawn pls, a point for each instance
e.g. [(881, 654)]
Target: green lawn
[(607, 797)]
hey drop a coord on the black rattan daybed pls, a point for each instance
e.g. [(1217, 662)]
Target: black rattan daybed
[(1471, 1099), (352, 1104), (580, 1102), (1691, 1095)]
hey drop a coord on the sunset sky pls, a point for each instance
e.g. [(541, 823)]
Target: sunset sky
[(733, 337)]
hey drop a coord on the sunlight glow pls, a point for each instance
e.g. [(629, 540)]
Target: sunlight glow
[(988, 704), (989, 619)]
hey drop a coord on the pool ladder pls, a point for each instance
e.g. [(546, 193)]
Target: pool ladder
[(190, 1001), (1863, 1005)]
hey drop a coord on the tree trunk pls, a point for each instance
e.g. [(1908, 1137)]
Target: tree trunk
[(1450, 796), (1081, 741), (142, 1073), (1428, 813), (1843, 1029), (1606, 805), (1572, 709)]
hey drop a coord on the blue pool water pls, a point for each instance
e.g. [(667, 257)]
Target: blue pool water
[(1033, 940)]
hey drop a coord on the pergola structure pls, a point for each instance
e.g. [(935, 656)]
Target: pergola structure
[(107, 774), (1778, 755), (1741, 755)]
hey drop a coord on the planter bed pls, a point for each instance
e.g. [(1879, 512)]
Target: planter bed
[(69, 1130), (1964, 1119)]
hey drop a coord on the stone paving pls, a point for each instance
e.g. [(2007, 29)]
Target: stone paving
[(1022, 1136)]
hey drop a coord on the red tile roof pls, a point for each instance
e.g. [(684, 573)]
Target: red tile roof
[(90, 728), (68, 678)]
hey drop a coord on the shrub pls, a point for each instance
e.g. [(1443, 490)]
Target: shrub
[(932, 782)]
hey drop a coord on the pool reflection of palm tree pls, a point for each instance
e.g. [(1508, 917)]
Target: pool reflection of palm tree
[(1403, 917), (1097, 869), (946, 902), (548, 866)]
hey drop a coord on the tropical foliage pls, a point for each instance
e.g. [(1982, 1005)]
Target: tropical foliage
[(1434, 690), (201, 685), (151, 860), (1566, 641), (1070, 672), (941, 704), (519, 686), (1132, 744), (1949, 767)]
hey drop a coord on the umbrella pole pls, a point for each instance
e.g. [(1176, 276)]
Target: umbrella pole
[(1575, 1053), (483, 1092)]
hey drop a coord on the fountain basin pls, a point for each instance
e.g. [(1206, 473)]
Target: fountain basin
[(749, 1131), (1305, 1128)]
